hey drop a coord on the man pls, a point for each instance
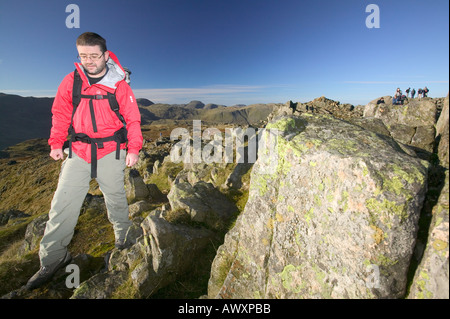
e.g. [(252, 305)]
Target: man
[(94, 150)]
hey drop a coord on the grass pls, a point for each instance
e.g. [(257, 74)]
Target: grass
[(13, 232), (28, 178), (15, 270), (93, 235), (161, 179)]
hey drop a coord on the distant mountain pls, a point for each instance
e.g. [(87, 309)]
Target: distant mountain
[(23, 118), (211, 113), (144, 102)]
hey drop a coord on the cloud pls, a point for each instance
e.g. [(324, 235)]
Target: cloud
[(394, 82), (184, 95), (34, 93)]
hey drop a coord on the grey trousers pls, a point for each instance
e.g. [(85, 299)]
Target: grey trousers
[(73, 186)]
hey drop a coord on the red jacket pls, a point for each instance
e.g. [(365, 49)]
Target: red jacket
[(106, 120)]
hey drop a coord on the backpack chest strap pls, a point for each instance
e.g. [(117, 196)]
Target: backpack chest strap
[(94, 96)]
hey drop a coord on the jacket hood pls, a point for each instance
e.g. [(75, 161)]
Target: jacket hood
[(113, 76)]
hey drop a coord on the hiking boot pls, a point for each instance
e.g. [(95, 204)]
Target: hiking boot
[(45, 273), (121, 244)]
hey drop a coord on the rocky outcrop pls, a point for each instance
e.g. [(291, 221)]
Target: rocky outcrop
[(159, 255), (412, 124), (338, 218)]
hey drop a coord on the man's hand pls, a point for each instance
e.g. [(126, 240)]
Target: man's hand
[(131, 159), (57, 154)]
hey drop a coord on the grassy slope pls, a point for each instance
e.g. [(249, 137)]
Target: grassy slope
[(28, 179)]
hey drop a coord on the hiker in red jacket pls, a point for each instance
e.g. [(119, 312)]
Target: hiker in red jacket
[(103, 140)]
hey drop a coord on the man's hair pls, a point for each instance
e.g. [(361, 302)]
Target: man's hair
[(92, 39)]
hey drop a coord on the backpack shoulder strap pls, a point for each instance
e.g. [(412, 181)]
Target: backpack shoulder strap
[(76, 89), (114, 105), (76, 95)]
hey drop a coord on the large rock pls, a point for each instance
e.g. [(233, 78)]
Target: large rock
[(10, 215), (432, 276), (100, 286), (135, 187), (337, 219), (33, 234), (174, 247)]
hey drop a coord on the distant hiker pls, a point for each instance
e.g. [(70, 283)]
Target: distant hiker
[(413, 92), (293, 106), (419, 93), (397, 97), (407, 92), (90, 104), (425, 92), (381, 101)]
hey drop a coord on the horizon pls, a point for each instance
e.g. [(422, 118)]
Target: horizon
[(231, 105), (235, 52)]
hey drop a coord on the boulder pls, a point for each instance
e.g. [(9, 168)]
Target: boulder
[(10, 215), (100, 286), (33, 234), (135, 187), (173, 247), (137, 208), (203, 202), (338, 218)]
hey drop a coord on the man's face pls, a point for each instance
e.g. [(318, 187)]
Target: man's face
[(93, 60)]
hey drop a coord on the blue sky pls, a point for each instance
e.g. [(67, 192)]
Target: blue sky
[(235, 51)]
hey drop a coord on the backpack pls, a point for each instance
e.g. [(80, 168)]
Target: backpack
[(119, 136)]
